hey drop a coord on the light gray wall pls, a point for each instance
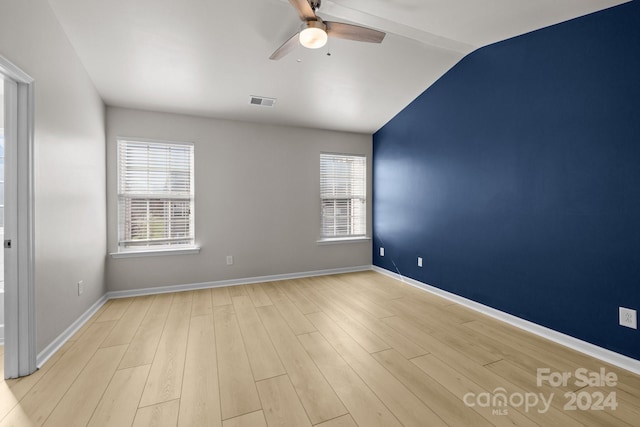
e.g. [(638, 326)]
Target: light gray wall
[(70, 203), (256, 197)]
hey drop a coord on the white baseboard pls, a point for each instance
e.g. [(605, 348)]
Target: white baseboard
[(55, 345), (616, 359), (233, 282)]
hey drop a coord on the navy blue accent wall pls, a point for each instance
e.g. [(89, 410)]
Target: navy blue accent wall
[(516, 177)]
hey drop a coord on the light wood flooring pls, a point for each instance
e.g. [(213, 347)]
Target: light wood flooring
[(356, 349)]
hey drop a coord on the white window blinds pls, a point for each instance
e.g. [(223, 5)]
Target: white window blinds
[(155, 194), (343, 188)]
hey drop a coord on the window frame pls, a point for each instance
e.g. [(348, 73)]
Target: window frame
[(351, 237), (151, 249)]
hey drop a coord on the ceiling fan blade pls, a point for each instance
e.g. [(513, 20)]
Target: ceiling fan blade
[(304, 9), (286, 48), (354, 32)]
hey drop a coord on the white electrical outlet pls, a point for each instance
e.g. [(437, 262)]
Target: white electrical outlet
[(80, 287), (381, 251), (628, 318), (419, 261), (229, 259)]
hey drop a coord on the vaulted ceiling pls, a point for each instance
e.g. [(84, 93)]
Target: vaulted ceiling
[(207, 57)]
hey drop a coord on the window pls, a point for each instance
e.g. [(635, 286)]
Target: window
[(343, 188), (155, 195)]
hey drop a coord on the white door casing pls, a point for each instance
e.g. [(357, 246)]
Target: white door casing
[(20, 334)]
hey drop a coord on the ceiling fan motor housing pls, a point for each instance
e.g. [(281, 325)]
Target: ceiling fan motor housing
[(315, 4), (319, 23)]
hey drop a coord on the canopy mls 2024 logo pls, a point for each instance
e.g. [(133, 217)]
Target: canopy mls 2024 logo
[(592, 393)]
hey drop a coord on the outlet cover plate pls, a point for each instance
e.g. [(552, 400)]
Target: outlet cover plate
[(628, 318)]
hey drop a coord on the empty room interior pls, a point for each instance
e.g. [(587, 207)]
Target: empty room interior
[(335, 214)]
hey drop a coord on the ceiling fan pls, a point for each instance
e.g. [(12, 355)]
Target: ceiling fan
[(314, 31)]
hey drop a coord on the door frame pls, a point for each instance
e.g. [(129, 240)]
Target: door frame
[(20, 314)]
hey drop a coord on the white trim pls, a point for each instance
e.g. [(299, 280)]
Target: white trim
[(155, 252), (589, 349), (154, 141), (56, 344), (339, 240), (13, 72), (20, 312), (233, 282)]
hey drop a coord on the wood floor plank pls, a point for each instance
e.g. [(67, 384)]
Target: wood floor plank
[(446, 405), (144, 343), (343, 421), (316, 395), (526, 380), (165, 377), (124, 331), (354, 393), (238, 394), (160, 415), (367, 284), (81, 399), (471, 369), (363, 336), (280, 403), (545, 351), (80, 332), (263, 358), (402, 403), (200, 398), (461, 314), (457, 336), (183, 297), (258, 295), (291, 288), (119, 404), (359, 301), (7, 400), (253, 419), (238, 291), (202, 303), (55, 383), (459, 385), (220, 296), (625, 410), (18, 417), (115, 310), (294, 317), (389, 335), (14, 390)]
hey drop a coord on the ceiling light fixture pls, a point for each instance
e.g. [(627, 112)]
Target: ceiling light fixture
[(313, 34)]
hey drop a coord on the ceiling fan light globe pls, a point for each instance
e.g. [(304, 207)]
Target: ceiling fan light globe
[(313, 37)]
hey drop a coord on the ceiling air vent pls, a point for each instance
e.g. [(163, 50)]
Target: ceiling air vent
[(262, 100)]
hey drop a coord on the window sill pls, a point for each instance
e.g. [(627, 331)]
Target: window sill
[(339, 240), (156, 252)]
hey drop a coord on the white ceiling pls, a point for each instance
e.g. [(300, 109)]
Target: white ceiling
[(206, 57)]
